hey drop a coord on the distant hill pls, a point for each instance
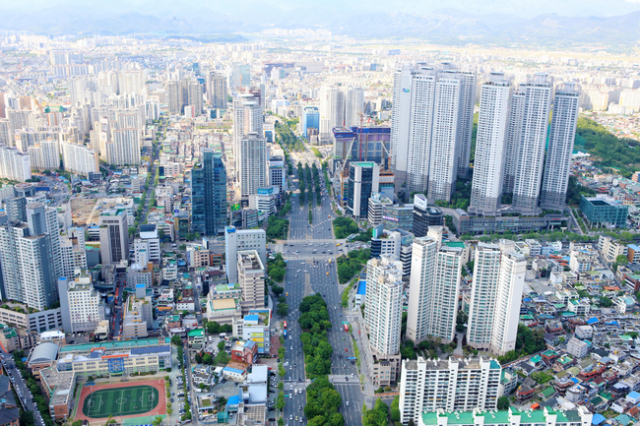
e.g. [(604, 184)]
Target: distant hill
[(446, 26)]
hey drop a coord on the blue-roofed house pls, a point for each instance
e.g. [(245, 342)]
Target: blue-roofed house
[(598, 419), (633, 398), (592, 321), (362, 291), (232, 403)]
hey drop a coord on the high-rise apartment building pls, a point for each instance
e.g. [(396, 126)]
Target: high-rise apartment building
[(14, 165), (45, 155), (236, 240), (79, 159), (251, 275), (247, 118), (435, 286), (364, 180), (488, 166), (353, 106), (331, 110), (496, 297), (561, 137), (174, 96), (209, 194), (431, 128), (124, 148), (217, 90), (449, 385), (44, 220), (195, 96), (28, 273), (533, 138), (253, 164), (114, 236), (383, 305), (512, 140)]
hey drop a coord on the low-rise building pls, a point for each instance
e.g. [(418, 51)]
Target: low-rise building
[(577, 347), (512, 417), (255, 326), (59, 387)]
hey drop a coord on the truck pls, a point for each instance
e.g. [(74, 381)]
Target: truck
[(346, 327), (285, 324)]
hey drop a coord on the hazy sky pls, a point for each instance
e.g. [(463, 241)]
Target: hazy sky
[(523, 8)]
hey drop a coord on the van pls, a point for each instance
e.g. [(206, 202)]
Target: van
[(286, 294)]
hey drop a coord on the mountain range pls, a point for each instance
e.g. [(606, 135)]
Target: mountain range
[(442, 26)]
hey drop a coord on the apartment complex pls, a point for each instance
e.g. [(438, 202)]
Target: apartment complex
[(80, 303)]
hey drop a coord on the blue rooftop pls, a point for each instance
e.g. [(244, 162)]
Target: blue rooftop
[(634, 247), (527, 300), (597, 419), (612, 322), (233, 370), (251, 318), (634, 395), (362, 287), (592, 320), (233, 400)]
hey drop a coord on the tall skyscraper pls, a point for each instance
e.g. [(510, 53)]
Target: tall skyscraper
[(217, 90), (209, 194), (240, 76), (331, 109), (253, 164), (383, 305), (493, 120), (44, 220), (174, 97), (512, 141), (561, 138), (124, 148), (310, 119), (435, 285), (533, 138), (354, 106), (364, 180), (14, 165), (247, 118), (431, 128), (195, 96)]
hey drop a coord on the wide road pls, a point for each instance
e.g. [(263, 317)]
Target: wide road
[(310, 253)]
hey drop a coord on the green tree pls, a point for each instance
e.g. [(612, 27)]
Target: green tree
[(157, 421), (176, 340), (621, 260), (503, 403), (283, 309), (395, 409)]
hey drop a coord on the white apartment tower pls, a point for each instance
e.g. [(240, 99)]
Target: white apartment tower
[(124, 148), (434, 290), (512, 141), (496, 297), (561, 137), (533, 138), (217, 90), (493, 121), (236, 240), (14, 165), (251, 275), (431, 128), (332, 109), (247, 118), (354, 106), (253, 164), (448, 385), (80, 303), (383, 305)]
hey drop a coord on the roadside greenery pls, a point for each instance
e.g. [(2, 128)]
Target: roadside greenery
[(314, 321), (350, 265), (36, 391), (287, 138), (277, 228), (323, 402), (344, 226), (276, 268), (377, 416)]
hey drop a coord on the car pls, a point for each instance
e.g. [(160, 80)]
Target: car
[(291, 417), (347, 403)]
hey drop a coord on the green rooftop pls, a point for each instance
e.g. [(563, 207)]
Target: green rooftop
[(454, 244), (125, 344), (548, 392), (196, 332)]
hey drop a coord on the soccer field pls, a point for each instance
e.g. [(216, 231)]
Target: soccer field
[(120, 402)]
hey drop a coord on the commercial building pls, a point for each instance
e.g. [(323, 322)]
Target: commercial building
[(310, 119), (561, 137), (114, 236), (398, 216), (364, 179), (376, 203), (255, 327), (81, 305), (496, 294), (277, 172), (251, 275), (424, 216), (38, 322), (435, 285), (138, 316), (604, 211), (512, 416), (116, 358), (242, 239), (488, 166), (247, 118), (466, 224), (209, 194), (449, 385), (253, 164), (361, 143)]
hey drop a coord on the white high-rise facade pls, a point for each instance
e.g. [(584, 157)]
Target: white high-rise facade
[(236, 240), (512, 141), (435, 286), (561, 137), (383, 305), (488, 168), (124, 148), (45, 155), (253, 164), (14, 165), (217, 90), (354, 106), (431, 128), (247, 118), (498, 281), (332, 109), (79, 159), (448, 385), (533, 139)]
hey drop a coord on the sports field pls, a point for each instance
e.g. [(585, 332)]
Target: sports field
[(120, 402)]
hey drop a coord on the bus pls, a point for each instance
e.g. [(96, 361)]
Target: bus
[(285, 324), (285, 332), (346, 327)]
